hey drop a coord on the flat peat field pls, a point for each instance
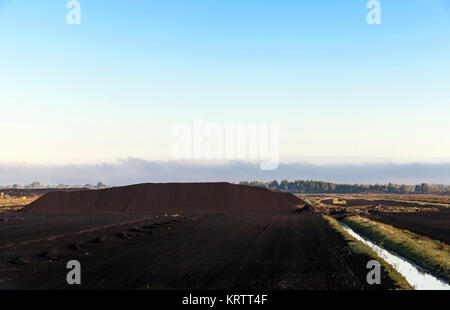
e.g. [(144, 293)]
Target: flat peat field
[(391, 203), (284, 250), (434, 225), (423, 217)]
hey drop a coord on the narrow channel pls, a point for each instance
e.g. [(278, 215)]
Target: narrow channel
[(417, 277)]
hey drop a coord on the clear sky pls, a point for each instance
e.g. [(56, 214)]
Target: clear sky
[(113, 87)]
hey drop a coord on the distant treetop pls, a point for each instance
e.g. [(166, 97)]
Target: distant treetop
[(311, 187), (38, 185)]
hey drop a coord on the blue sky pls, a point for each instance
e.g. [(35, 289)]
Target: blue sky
[(112, 88)]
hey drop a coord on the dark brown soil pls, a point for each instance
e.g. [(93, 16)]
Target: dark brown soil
[(162, 198), (364, 202), (177, 236), (36, 192), (435, 225), (277, 250)]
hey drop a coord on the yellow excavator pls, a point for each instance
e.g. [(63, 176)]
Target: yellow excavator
[(336, 201)]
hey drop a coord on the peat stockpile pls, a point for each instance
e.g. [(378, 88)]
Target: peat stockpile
[(167, 198)]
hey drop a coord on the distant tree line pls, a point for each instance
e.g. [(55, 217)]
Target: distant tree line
[(312, 187), (38, 185)]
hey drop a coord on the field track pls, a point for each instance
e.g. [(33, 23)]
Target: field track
[(283, 250)]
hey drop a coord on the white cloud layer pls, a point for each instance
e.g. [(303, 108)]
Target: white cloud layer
[(131, 171)]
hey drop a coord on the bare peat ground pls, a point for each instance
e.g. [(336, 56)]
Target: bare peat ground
[(37, 192), (435, 225), (393, 203), (283, 250)]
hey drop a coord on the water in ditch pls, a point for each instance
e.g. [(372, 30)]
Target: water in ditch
[(418, 278)]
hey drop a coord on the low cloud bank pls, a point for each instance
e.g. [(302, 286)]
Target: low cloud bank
[(131, 171)]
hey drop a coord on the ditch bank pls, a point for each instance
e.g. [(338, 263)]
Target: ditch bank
[(416, 276)]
